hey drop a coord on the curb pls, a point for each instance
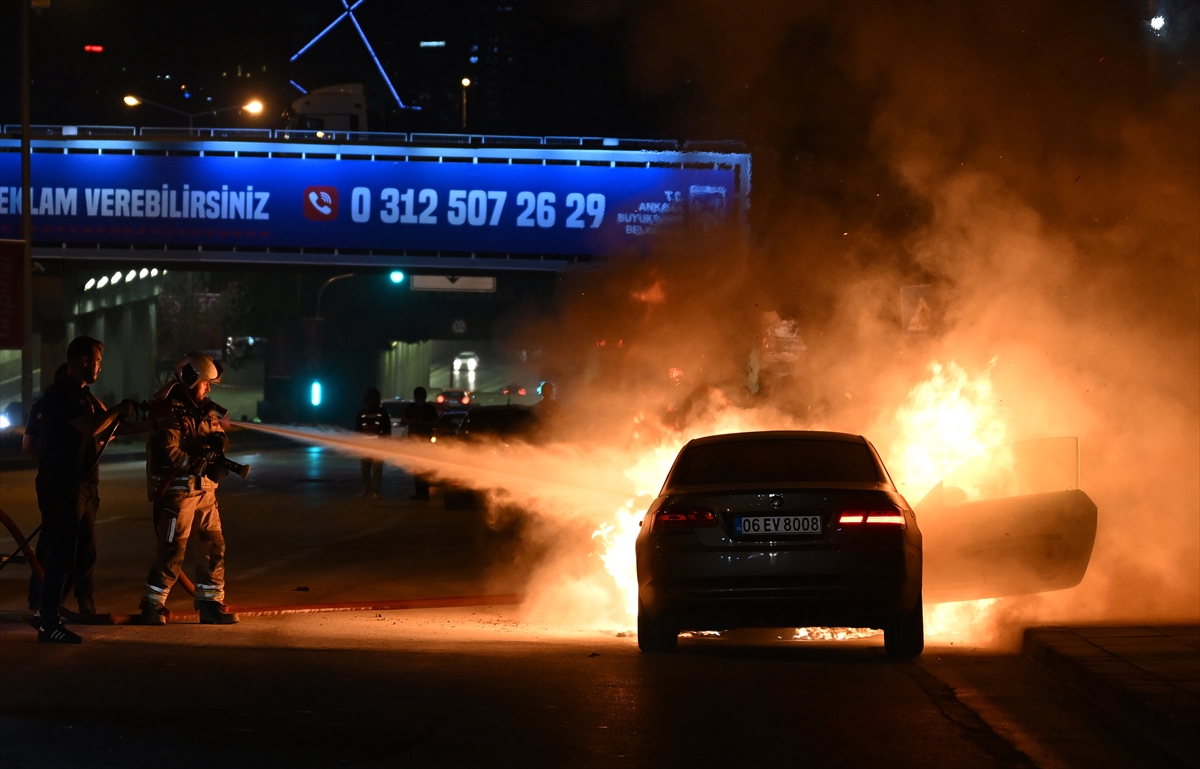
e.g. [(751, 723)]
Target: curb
[(1151, 706), (452, 602)]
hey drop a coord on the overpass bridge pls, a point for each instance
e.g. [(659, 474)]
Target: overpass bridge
[(362, 199), (113, 208)]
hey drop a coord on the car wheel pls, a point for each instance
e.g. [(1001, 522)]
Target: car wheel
[(904, 636), (656, 634)]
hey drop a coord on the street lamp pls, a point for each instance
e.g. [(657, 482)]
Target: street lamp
[(254, 107), (466, 83)]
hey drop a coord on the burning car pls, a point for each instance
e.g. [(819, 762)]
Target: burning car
[(779, 529)]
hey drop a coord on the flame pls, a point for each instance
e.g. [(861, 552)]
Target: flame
[(961, 621), (652, 295), (947, 419)]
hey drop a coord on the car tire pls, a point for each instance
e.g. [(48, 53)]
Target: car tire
[(657, 635), (904, 636)]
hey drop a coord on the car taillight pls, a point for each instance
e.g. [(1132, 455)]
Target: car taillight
[(679, 518), (466, 399), (441, 399), (873, 517), (521, 391)]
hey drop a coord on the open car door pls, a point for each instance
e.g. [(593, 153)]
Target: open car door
[(1010, 521)]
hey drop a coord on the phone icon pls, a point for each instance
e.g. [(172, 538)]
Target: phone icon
[(320, 203), (314, 199)]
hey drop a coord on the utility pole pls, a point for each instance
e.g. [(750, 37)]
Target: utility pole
[(26, 223)]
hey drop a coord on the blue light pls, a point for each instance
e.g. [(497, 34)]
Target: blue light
[(474, 60), (350, 12), (371, 51), (397, 276), (315, 398), (319, 36), (297, 86)]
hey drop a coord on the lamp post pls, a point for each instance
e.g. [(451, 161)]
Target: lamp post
[(325, 285), (466, 83), (26, 226), (254, 107)]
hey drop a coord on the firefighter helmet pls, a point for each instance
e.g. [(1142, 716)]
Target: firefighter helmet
[(196, 367)]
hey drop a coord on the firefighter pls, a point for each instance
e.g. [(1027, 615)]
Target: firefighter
[(182, 486), (374, 421)]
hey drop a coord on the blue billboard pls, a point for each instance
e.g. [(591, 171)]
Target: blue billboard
[(466, 203)]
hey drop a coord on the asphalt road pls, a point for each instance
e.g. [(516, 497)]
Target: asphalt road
[(473, 686)]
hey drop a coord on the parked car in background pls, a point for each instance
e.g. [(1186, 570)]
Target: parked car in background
[(502, 424), (448, 399), (395, 409)]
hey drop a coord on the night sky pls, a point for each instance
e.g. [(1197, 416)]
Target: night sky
[(538, 69)]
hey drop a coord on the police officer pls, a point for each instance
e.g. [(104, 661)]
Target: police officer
[(420, 418), (182, 486), (69, 433), (374, 421)]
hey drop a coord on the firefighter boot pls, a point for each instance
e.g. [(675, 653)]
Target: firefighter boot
[(215, 613), (153, 616)]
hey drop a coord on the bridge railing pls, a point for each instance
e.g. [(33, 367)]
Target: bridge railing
[(90, 131), (206, 133), (370, 137)]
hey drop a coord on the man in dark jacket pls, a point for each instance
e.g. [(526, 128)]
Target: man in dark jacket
[(375, 422), (72, 426), (420, 418)]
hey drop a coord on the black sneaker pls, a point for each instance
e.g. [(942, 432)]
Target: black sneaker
[(58, 635), (35, 621)]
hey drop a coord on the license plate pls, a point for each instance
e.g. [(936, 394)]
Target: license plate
[(778, 524)]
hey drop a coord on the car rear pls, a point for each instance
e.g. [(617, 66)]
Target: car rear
[(778, 529)]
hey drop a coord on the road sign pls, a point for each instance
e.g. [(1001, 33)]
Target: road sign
[(916, 316), (453, 283)]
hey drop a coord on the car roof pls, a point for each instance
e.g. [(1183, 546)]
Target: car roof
[(776, 435)]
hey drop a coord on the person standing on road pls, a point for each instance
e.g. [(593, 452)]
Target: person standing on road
[(375, 422), (69, 433), (420, 418), (547, 409), (182, 485), (31, 446)]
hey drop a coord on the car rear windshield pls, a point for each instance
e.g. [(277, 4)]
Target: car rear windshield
[(775, 461), (499, 422)]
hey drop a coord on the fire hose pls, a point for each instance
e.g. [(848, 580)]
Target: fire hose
[(23, 546)]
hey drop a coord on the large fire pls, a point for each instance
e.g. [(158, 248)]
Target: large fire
[(946, 419)]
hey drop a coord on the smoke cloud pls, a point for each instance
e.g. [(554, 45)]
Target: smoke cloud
[(1035, 164)]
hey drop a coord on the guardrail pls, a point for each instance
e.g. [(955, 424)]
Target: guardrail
[(371, 137)]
